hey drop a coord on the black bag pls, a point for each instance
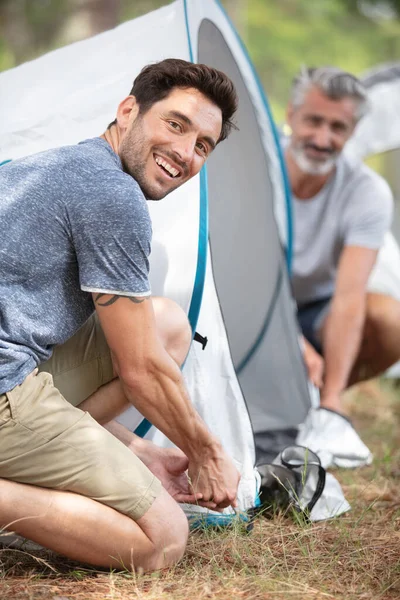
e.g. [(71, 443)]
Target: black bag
[(294, 479)]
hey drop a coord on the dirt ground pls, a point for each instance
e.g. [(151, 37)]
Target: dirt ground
[(356, 556)]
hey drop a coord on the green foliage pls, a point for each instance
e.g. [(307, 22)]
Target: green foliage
[(131, 10), (282, 36), (30, 28)]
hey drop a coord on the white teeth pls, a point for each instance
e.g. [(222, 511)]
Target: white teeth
[(167, 166)]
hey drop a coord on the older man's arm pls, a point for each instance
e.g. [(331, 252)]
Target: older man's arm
[(314, 363), (342, 332)]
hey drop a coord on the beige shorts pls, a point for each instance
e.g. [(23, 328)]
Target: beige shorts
[(46, 441)]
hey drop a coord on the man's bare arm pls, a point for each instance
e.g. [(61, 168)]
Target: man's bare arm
[(344, 326), (153, 383)]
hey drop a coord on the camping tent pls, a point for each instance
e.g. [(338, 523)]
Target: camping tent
[(379, 130), (218, 240)]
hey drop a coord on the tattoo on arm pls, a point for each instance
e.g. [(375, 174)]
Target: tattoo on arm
[(113, 299)]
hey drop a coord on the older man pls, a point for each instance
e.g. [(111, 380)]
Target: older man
[(342, 210), (75, 237)]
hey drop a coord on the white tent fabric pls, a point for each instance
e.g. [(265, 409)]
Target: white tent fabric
[(379, 130), (246, 309)]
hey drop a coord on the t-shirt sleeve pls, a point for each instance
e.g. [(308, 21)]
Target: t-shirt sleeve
[(111, 233), (369, 214)]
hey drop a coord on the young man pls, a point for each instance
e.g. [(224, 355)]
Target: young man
[(75, 238), (342, 210)]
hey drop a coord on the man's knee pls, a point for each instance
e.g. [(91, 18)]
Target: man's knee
[(166, 526), (173, 327)]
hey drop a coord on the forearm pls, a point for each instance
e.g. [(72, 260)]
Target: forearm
[(159, 393), (152, 382), (341, 342)]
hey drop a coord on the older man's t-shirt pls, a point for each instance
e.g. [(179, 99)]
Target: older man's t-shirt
[(71, 223), (354, 208)]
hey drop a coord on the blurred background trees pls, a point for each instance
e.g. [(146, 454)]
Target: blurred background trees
[(280, 35)]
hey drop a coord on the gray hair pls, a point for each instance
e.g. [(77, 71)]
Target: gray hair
[(334, 83)]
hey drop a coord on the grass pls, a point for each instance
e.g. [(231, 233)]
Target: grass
[(356, 556)]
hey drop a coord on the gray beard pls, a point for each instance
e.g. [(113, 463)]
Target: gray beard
[(312, 167)]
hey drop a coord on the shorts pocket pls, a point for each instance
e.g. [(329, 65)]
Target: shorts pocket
[(5, 410), (21, 396)]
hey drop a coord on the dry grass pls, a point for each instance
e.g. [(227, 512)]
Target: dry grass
[(356, 556)]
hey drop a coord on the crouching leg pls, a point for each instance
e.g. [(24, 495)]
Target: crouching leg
[(88, 531), (70, 485), (380, 347)]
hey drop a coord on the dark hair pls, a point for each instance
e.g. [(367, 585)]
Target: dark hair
[(156, 81)]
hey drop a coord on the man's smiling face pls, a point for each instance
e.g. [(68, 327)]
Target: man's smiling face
[(320, 128), (167, 145)]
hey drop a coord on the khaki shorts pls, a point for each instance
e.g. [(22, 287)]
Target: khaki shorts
[(46, 441)]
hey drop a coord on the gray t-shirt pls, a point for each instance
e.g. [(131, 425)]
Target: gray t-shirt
[(354, 208), (71, 222)]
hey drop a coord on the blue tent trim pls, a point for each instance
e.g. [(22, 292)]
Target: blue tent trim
[(185, 8), (198, 288)]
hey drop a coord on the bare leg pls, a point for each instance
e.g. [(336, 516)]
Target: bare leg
[(89, 531), (380, 347), (85, 530), (173, 328)]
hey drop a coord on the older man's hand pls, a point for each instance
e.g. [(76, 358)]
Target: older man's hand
[(314, 364)]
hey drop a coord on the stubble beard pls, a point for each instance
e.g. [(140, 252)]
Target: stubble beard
[(132, 152)]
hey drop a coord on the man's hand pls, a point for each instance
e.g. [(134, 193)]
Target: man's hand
[(216, 478), (170, 465), (314, 364)]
